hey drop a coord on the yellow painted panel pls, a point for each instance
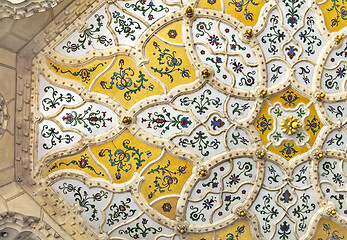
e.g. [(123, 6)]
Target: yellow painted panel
[(169, 64), (84, 74), (210, 4), (124, 156), (312, 125), (288, 150), (165, 177), (246, 11), (238, 230), (335, 14), (82, 161), (289, 98), (172, 33), (264, 124), (328, 229), (167, 207), (126, 83), (201, 236)]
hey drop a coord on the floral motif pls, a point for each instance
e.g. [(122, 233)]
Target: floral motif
[(84, 199), (82, 163), (216, 123), (291, 51), (142, 230), (147, 8), (302, 211), (172, 62), (165, 178), (123, 80), (274, 36), (248, 78), (203, 29), (201, 141), (88, 118), (243, 6), (124, 26), (237, 138), (120, 211), (164, 120), (340, 11), (292, 14), (289, 97), (333, 235), (264, 124), (309, 37), (284, 231), (121, 158), (288, 150), (313, 125), (269, 212), (83, 73), (54, 136), (55, 99), (331, 81), (88, 36), (202, 102)]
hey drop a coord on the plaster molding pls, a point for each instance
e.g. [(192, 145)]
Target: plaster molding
[(26, 8)]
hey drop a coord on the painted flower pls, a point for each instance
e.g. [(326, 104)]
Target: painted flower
[(166, 207), (70, 188), (68, 118), (285, 227), (122, 208), (97, 197), (211, 1), (74, 47), (241, 229), (234, 179), (185, 73), (172, 33), (127, 29), (83, 162), (237, 67), (84, 74), (337, 178), (292, 21), (326, 227), (208, 203), (214, 40), (102, 39), (214, 185), (185, 122), (341, 72), (182, 169)]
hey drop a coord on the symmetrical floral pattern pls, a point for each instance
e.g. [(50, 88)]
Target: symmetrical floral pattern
[(203, 119)]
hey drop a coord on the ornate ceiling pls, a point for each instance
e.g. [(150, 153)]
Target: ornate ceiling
[(193, 120)]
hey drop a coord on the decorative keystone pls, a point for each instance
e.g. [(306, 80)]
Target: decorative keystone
[(249, 33), (126, 120), (319, 155), (320, 96), (338, 39), (202, 173), (205, 72), (263, 93), (189, 12), (290, 125), (332, 211), (261, 154), (242, 213), (182, 229)]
